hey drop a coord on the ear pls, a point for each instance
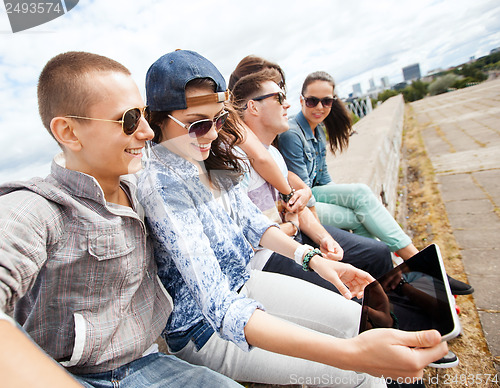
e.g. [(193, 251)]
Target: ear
[(65, 133), (252, 108)]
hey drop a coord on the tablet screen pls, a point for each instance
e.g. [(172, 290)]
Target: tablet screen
[(413, 296)]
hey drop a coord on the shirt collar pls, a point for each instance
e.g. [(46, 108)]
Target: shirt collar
[(169, 159), (306, 128), (83, 185)]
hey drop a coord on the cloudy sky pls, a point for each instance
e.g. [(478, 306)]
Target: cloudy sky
[(354, 41)]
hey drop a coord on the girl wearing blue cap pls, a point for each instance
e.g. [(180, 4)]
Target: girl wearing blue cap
[(204, 231)]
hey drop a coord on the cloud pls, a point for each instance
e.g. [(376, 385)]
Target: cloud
[(354, 41)]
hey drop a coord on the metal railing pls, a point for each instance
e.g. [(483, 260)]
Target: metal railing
[(360, 107)]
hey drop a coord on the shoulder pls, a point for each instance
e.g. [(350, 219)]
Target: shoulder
[(294, 124), (28, 206), (278, 158), (291, 138)]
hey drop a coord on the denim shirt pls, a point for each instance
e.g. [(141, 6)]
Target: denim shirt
[(304, 153), (202, 250)]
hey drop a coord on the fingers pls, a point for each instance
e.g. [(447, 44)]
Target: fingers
[(421, 339), (334, 278), (344, 291), (332, 256)]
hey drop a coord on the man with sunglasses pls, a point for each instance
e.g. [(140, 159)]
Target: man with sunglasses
[(76, 266), (263, 107)]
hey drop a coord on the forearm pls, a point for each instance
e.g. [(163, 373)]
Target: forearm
[(314, 212), (288, 228), (296, 182), (277, 241), (263, 163), (379, 352), (275, 335), (310, 225), (23, 364)]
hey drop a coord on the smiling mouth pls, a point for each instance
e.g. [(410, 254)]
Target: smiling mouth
[(203, 147), (134, 151)]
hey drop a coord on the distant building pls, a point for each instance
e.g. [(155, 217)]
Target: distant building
[(400, 86), (356, 90), (411, 72), (372, 83), (385, 82)]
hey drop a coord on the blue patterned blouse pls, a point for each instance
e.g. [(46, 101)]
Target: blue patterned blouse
[(201, 249)]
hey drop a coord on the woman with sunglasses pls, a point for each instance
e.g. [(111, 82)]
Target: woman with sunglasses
[(204, 229), (346, 206)]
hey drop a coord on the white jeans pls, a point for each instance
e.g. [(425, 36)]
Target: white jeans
[(299, 302)]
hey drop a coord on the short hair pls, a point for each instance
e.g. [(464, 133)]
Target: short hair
[(253, 64), (63, 87), (249, 86)]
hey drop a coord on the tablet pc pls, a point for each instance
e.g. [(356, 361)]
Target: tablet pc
[(413, 296)]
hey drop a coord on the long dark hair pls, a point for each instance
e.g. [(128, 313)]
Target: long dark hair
[(338, 123), (222, 156)]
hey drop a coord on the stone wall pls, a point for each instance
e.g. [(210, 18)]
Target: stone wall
[(373, 154)]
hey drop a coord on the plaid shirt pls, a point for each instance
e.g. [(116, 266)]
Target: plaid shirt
[(79, 271)]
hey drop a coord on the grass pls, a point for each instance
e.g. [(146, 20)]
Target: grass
[(427, 222)]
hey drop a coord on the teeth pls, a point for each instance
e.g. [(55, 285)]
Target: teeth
[(134, 151), (204, 146)]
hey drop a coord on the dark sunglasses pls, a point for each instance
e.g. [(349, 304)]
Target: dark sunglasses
[(311, 102), (281, 97), (130, 119), (202, 127)]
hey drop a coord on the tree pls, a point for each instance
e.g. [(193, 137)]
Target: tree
[(442, 84), (386, 94), (416, 91)]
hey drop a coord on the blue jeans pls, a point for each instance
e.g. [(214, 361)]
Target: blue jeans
[(154, 371), (354, 206)]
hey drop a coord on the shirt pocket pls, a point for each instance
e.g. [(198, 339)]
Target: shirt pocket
[(309, 153), (80, 341), (106, 246)]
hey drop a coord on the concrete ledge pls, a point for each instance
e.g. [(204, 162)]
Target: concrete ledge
[(374, 152)]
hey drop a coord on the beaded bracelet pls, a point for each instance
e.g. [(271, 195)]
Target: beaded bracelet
[(298, 256), (307, 258)]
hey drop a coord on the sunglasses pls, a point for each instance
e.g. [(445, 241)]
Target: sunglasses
[(130, 119), (311, 102), (202, 127), (281, 97)]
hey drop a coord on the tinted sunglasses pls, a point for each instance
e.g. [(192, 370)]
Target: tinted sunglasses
[(202, 127), (281, 97), (311, 102), (130, 119)]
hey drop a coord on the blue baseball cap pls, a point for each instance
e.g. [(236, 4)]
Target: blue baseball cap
[(166, 81)]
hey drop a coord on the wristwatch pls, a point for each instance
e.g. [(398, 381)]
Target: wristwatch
[(286, 197)]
